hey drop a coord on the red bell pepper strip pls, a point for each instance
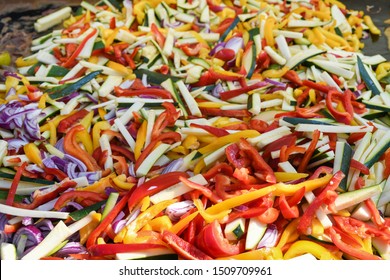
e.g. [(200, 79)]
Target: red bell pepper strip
[(41, 197), (107, 220), (386, 172), (64, 197), (225, 54), (316, 86), (234, 157), (72, 59), (211, 241), (327, 196), (293, 77), (183, 248), (210, 77), (203, 189), (226, 95), (288, 140), (269, 216), (348, 249), (219, 168), (219, 132), (191, 49), (122, 151), (225, 113), (258, 125), (160, 38), (262, 170), (15, 182), (60, 175), (156, 92), (112, 249), (288, 211), (309, 152), (362, 229), (153, 186), (343, 117), (166, 118), (66, 123), (72, 147), (359, 166)]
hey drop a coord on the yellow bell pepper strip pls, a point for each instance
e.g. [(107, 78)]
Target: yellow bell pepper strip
[(209, 218), (301, 247), (85, 231), (272, 253), (203, 189), (239, 200), (120, 181), (140, 140), (232, 138), (128, 232), (72, 147), (33, 153), (180, 225), (290, 234), (161, 223), (373, 29), (290, 189), (96, 130)]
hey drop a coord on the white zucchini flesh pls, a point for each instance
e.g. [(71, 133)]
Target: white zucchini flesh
[(255, 232), (56, 236), (269, 137), (148, 163), (333, 128), (14, 211), (177, 189), (46, 22), (320, 212), (144, 254), (8, 251)]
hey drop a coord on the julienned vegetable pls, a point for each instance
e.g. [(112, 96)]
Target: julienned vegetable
[(205, 129)]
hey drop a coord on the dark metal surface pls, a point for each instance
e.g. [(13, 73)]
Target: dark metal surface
[(379, 10), (20, 15)]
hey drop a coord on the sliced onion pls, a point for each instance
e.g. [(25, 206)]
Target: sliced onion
[(178, 209), (70, 248), (34, 235), (216, 48), (276, 83), (235, 43), (173, 166), (45, 226), (270, 237)]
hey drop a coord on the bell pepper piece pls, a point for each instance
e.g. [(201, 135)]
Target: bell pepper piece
[(33, 154), (71, 147), (327, 196), (301, 247), (262, 170), (112, 249), (211, 241), (127, 234), (184, 248), (348, 249), (309, 152), (154, 186), (66, 123), (64, 197), (14, 185)]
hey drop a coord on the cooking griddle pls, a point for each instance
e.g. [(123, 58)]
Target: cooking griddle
[(17, 23)]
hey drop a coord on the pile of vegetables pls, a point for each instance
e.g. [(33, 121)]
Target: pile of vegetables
[(202, 129)]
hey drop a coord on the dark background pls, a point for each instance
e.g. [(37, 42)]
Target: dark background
[(379, 10)]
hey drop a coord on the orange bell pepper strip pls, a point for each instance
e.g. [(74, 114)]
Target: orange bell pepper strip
[(71, 147)]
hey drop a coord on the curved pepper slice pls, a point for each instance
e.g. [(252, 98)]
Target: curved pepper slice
[(71, 147), (183, 248)]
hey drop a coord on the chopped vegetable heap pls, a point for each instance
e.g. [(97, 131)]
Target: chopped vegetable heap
[(199, 129)]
